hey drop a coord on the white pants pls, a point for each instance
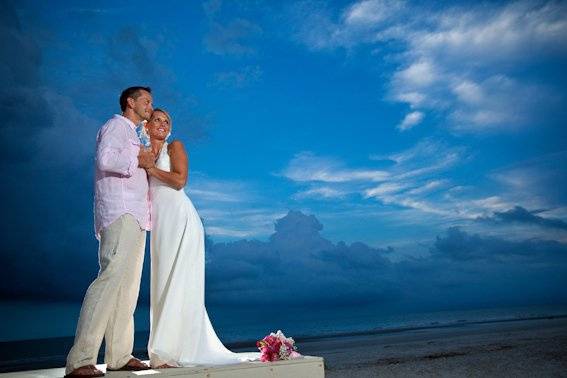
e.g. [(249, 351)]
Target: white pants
[(110, 301)]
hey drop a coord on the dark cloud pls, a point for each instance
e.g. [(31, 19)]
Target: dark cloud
[(473, 269), (46, 178), (46, 157), (24, 109), (459, 245), (21, 56), (520, 215), (297, 266)]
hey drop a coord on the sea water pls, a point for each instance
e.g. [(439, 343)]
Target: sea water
[(24, 320)]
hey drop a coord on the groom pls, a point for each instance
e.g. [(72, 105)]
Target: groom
[(121, 213)]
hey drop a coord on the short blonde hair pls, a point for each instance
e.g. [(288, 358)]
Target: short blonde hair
[(145, 132), (166, 114)]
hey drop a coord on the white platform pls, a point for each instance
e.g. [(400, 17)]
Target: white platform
[(306, 367)]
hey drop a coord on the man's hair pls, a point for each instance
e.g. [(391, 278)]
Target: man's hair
[(133, 92)]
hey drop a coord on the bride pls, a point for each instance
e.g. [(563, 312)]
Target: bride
[(181, 333)]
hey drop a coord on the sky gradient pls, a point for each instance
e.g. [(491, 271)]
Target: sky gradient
[(399, 152)]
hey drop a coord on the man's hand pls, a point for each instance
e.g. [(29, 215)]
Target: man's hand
[(146, 158)]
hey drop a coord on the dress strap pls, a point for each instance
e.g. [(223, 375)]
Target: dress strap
[(163, 148)]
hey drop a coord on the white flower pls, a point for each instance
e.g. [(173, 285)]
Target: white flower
[(284, 352)]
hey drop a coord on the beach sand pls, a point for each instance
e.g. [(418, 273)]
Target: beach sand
[(526, 348)]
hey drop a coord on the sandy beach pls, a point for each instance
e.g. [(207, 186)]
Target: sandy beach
[(526, 348)]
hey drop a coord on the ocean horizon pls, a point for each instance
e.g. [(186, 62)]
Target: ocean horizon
[(31, 320)]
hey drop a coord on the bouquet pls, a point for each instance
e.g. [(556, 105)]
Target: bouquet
[(277, 347)]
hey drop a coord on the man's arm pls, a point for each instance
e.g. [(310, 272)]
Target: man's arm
[(115, 151)]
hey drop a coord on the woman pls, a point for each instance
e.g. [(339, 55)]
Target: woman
[(181, 333)]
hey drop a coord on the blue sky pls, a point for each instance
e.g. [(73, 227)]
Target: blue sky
[(410, 127)]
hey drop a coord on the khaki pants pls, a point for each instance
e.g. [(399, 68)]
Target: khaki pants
[(110, 301)]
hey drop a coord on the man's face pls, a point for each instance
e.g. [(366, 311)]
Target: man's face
[(142, 106)]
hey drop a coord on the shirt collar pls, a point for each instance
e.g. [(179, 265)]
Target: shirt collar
[(128, 121)]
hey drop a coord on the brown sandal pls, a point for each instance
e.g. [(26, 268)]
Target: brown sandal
[(164, 366), (129, 367), (95, 372)]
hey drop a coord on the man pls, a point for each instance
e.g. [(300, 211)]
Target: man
[(121, 213)]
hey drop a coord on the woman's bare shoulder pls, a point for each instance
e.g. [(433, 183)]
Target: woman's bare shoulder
[(175, 145)]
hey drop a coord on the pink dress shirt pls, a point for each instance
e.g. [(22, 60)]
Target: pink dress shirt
[(121, 187)]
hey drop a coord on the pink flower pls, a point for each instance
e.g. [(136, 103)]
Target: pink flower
[(293, 355), (276, 346)]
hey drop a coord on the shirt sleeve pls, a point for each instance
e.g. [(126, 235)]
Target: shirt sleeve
[(116, 152)]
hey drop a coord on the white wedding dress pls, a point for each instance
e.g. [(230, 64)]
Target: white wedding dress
[(181, 333)]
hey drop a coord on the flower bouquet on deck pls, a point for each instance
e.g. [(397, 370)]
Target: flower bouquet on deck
[(277, 347)]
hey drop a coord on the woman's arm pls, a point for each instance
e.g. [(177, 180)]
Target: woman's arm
[(177, 178)]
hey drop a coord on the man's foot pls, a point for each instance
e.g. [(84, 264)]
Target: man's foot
[(88, 371), (133, 365), (165, 366)]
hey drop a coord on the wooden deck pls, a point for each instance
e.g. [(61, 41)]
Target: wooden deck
[(306, 367)]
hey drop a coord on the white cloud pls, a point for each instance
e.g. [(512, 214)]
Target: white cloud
[(212, 195), (468, 92), (232, 208), (421, 205), (428, 187), (209, 190), (413, 98), (220, 231), (305, 167), (492, 34), (319, 29), (321, 192), (406, 183), (425, 148), (369, 12), (492, 203), (535, 183), (498, 101), (419, 74), (414, 178), (418, 180), (382, 189), (248, 220), (458, 61), (410, 120)]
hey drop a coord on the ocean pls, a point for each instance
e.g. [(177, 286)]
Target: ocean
[(39, 335)]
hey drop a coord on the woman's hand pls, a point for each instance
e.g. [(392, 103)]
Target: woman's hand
[(151, 169), (146, 158)]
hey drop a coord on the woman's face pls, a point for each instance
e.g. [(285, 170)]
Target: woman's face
[(158, 126)]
